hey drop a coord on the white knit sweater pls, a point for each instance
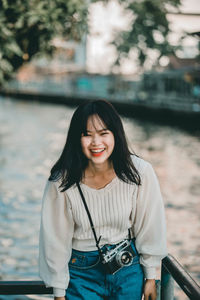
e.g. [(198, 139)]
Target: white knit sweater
[(114, 209)]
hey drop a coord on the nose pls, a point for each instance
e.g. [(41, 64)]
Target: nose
[(95, 140)]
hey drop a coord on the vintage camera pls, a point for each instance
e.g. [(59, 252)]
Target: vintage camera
[(120, 256)]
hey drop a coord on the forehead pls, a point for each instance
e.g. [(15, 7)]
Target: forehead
[(94, 122)]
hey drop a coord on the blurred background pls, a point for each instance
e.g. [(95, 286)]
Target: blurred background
[(143, 56)]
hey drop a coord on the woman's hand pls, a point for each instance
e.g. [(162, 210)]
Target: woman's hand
[(59, 298), (150, 289)]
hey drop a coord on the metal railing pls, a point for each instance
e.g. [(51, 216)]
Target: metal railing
[(171, 271)]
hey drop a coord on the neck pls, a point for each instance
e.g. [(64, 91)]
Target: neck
[(98, 169)]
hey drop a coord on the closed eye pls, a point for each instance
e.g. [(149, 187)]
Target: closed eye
[(85, 134)]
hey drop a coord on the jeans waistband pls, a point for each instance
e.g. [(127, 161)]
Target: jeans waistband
[(109, 246)]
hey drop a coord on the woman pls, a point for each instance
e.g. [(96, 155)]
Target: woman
[(123, 196)]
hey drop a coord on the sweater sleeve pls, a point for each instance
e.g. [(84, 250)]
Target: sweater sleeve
[(149, 223), (55, 242)]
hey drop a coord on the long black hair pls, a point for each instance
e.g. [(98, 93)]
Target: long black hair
[(72, 162)]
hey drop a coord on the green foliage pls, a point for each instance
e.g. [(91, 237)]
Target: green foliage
[(27, 27), (149, 29)]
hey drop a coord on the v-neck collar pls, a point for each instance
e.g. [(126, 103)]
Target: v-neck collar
[(105, 188)]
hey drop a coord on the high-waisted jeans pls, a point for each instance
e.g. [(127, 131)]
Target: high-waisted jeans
[(90, 281)]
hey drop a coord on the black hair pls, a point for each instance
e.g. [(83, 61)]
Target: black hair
[(72, 162)]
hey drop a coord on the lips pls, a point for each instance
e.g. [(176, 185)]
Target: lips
[(96, 152)]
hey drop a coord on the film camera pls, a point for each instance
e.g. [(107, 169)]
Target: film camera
[(120, 256)]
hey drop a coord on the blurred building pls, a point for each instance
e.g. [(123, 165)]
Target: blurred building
[(69, 57)]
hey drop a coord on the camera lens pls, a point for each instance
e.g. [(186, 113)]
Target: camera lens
[(124, 258)]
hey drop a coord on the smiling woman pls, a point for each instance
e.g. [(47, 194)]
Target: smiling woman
[(123, 197), (94, 124)]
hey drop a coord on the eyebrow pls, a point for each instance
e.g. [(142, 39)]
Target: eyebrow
[(103, 129)]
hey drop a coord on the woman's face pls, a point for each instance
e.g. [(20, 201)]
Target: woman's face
[(98, 143)]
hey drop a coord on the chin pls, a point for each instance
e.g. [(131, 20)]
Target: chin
[(99, 160)]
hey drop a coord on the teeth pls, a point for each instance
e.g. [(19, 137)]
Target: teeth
[(97, 151)]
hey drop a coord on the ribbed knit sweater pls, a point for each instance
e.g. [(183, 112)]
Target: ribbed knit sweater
[(114, 208)]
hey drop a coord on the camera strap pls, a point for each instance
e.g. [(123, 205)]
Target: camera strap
[(90, 219)]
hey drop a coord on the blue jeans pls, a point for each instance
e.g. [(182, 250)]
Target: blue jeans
[(90, 281)]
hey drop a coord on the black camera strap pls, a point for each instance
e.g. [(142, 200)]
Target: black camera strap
[(90, 219)]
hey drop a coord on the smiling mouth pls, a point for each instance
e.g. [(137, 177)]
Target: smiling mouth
[(97, 152)]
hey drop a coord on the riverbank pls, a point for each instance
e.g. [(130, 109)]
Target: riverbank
[(189, 121), (161, 97)]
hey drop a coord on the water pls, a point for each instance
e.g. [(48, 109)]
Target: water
[(31, 138)]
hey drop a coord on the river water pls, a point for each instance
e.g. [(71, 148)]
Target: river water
[(31, 138)]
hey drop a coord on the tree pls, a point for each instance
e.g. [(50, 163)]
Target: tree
[(148, 29), (27, 28)]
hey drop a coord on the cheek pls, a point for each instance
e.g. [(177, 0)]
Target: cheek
[(84, 144), (111, 143)]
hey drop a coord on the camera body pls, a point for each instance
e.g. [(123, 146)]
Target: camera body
[(120, 256)]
